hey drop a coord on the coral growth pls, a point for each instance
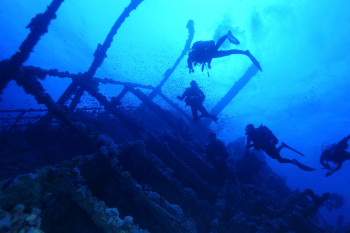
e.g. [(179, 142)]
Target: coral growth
[(20, 221)]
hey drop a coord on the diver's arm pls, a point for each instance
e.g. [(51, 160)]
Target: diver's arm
[(183, 95), (325, 164), (201, 95), (248, 146), (248, 143)]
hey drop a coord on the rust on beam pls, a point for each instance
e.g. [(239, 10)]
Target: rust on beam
[(116, 100), (76, 98), (42, 73), (32, 86), (165, 115), (101, 50), (38, 26)]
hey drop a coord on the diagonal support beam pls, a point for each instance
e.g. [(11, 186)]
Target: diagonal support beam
[(166, 116), (101, 51), (235, 89), (132, 124), (32, 86), (169, 71), (38, 27)]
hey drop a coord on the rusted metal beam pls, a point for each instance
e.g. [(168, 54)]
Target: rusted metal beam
[(175, 106), (128, 121), (42, 73), (101, 50), (165, 115), (42, 110), (32, 86), (38, 27), (169, 71), (76, 98), (116, 100), (235, 89)]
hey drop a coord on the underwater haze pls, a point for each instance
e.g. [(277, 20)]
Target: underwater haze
[(302, 93)]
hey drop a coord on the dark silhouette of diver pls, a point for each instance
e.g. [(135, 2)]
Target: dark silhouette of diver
[(194, 97), (216, 154), (203, 52), (304, 204), (263, 139), (335, 153)]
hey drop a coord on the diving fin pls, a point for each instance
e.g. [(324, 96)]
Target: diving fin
[(231, 38), (292, 149), (302, 166), (252, 58)]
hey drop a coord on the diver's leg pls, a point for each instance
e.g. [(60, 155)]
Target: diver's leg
[(302, 166), (220, 41), (194, 110), (205, 113), (295, 162), (280, 147), (283, 145), (231, 38), (224, 53), (284, 160), (228, 36), (202, 109)]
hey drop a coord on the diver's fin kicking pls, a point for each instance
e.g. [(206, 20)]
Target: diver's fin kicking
[(302, 166), (252, 58), (231, 38), (292, 149)]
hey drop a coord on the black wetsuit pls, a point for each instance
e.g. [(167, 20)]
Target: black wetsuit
[(194, 97)]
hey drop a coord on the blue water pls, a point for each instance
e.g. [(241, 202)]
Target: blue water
[(302, 93)]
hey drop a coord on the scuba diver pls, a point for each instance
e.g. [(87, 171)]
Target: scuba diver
[(302, 205), (263, 139), (336, 154), (216, 154), (194, 97), (203, 52)]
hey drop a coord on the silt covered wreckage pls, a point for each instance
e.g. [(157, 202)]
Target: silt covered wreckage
[(67, 168)]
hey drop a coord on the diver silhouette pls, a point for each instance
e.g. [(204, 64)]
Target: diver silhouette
[(216, 154), (202, 52), (194, 97), (336, 154), (263, 139)]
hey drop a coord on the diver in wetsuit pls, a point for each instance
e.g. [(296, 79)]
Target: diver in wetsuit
[(336, 154), (263, 139), (203, 52), (194, 97), (216, 154)]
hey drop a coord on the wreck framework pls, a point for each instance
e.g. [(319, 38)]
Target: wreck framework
[(186, 177), (27, 77)]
